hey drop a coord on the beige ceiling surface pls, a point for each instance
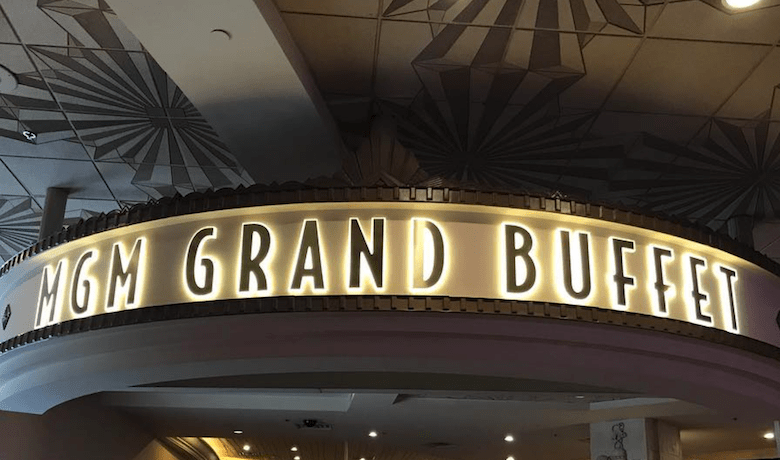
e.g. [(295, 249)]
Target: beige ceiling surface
[(665, 105), (669, 106)]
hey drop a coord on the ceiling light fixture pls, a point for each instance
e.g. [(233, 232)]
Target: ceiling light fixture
[(297, 457), (739, 4), (294, 449), (510, 458), (769, 435), (509, 438), (373, 434), (238, 432), (247, 447)]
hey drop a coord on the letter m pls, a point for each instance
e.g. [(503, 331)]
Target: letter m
[(124, 275), (47, 296)]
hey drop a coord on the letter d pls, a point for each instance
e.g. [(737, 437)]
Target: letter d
[(422, 250)]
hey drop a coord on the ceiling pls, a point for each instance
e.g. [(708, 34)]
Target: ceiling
[(417, 426), (671, 106)]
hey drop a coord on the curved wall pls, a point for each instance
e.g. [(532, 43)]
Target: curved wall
[(426, 250)]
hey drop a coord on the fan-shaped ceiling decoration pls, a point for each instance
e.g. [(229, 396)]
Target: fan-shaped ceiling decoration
[(733, 170), (515, 135), (125, 107), (20, 221)]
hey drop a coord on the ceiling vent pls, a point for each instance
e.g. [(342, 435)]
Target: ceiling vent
[(439, 445), (313, 424)]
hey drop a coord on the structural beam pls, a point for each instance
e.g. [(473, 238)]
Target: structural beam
[(53, 211), (236, 61)]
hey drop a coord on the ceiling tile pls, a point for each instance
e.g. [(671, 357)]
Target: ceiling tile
[(6, 33), (364, 8), (38, 174), (8, 183), (119, 177), (30, 91), (605, 59), (586, 16), (339, 51), (697, 20), (399, 44), (33, 24), (684, 77), (82, 24), (754, 96), (673, 128), (69, 149)]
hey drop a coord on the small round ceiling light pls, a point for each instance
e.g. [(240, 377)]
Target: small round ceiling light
[(294, 449), (247, 447), (769, 435), (739, 4), (221, 34), (8, 81), (509, 438), (297, 457), (238, 432), (579, 397), (510, 458), (373, 434)]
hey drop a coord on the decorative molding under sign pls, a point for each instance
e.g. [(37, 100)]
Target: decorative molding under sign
[(390, 248)]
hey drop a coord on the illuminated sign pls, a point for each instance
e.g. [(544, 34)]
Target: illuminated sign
[(426, 249)]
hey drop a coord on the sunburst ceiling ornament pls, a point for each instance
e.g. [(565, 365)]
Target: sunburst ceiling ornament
[(20, 220), (124, 107), (734, 171)]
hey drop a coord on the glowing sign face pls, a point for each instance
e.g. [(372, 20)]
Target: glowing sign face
[(390, 249)]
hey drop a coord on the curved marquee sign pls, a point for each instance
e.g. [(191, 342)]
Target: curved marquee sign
[(365, 248)]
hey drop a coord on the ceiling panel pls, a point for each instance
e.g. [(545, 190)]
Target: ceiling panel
[(8, 183), (399, 44), (38, 174), (364, 8), (605, 60), (675, 128), (339, 51), (11, 146), (756, 26), (689, 78), (7, 34), (754, 98)]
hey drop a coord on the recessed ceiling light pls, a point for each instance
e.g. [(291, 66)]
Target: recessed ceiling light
[(769, 435), (509, 438), (580, 397), (739, 4), (238, 432), (362, 458), (373, 434), (510, 458), (247, 447), (294, 449), (297, 457)]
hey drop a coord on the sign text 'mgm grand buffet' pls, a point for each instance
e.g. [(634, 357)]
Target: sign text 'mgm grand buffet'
[(500, 256)]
